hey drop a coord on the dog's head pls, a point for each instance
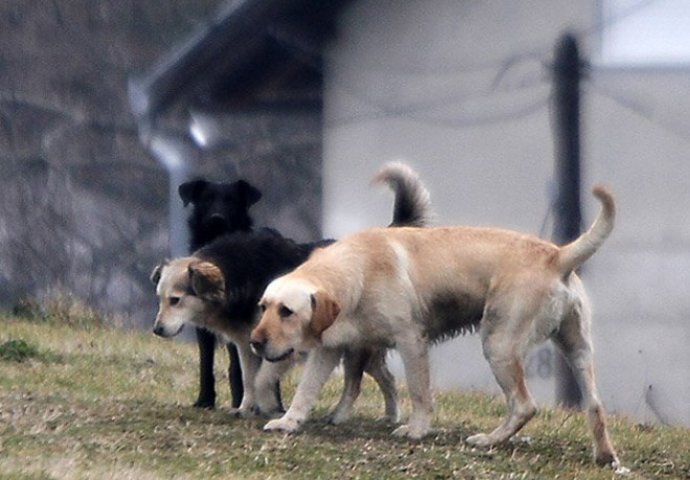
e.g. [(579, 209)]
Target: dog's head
[(294, 315), (219, 208), (189, 291)]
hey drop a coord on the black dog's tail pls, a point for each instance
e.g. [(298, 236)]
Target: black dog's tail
[(412, 200)]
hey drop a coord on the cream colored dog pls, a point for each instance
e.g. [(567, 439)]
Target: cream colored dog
[(407, 287)]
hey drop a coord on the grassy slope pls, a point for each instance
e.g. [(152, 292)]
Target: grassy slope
[(103, 403)]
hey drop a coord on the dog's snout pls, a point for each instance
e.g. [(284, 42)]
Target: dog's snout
[(258, 345), (158, 330), (257, 342), (217, 219)]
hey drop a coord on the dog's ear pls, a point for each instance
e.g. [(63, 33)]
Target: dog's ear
[(324, 312), (247, 193), (191, 191), (156, 273), (207, 281)]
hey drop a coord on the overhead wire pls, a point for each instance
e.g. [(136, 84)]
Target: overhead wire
[(422, 111), (643, 111), (419, 110)]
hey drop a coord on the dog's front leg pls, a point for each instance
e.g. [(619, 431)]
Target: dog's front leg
[(207, 383), (318, 368), (250, 366), (377, 368), (414, 352), (354, 361), (267, 379)]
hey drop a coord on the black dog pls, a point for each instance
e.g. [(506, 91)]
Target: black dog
[(218, 209)]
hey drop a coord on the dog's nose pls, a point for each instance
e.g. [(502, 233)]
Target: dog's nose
[(158, 330), (258, 346)]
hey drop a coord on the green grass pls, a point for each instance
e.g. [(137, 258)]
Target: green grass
[(17, 351), (88, 401)]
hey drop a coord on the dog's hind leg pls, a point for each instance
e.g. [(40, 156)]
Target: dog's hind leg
[(504, 344), (574, 340)]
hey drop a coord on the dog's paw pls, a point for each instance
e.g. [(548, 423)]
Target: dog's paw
[(336, 417), (272, 414), (389, 418), (406, 431), (401, 431), (282, 424), (480, 440), (611, 460), (204, 403), (242, 412), (269, 410)]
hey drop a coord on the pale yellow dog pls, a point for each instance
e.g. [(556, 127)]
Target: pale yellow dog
[(408, 287)]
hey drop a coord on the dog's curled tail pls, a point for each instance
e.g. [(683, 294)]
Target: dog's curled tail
[(577, 252), (412, 200)]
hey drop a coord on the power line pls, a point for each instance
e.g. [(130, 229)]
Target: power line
[(473, 120), (643, 111), (418, 110), (313, 56)]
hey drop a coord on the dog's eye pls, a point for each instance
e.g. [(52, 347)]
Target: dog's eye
[(174, 301), (284, 312)]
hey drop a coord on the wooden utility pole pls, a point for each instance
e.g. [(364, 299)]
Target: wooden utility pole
[(568, 216)]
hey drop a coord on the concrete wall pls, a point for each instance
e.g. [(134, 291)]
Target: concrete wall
[(461, 91)]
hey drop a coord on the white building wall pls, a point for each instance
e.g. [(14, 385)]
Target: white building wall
[(461, 91)]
